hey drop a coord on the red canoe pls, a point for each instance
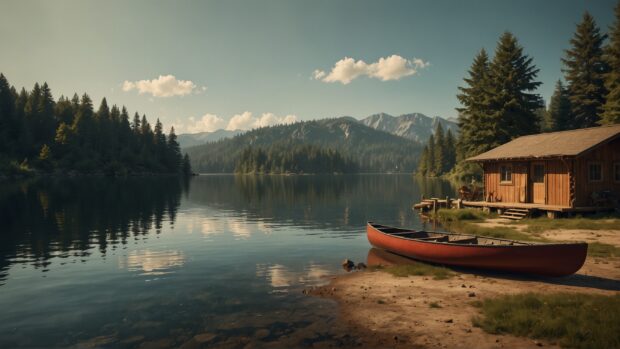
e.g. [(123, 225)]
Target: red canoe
[(480, 252)]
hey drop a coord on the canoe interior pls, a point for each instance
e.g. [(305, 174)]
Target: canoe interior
[(448, 238)]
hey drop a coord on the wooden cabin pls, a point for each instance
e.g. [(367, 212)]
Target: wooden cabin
[(576, 170)]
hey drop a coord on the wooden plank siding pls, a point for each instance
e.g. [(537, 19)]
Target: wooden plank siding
[(519, 190), (513, 191), (607, 155), (557, 180)]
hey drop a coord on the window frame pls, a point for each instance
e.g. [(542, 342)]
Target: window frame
[(590, 164), (543, 176), (501, 174)]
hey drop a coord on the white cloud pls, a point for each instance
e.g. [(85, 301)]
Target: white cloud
[(163, 86), (393, 67), (246, 120), (207, 123)]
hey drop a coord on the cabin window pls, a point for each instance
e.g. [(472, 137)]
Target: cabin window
[(617, 171), (505, 173), (538, 173), (595, 172)]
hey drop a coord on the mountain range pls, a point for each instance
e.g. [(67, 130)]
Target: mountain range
[(415, 126), (373, 150)]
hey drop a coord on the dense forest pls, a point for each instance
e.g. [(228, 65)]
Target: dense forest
[(371, 150), (291, 158), (439, 154), (39, 134), (499, 102)]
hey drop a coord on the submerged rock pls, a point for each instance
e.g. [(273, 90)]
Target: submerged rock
[(361, 266)]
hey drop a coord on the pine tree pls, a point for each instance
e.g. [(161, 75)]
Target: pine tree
[(585, 71), (512, 103), (187, 167), (440, 157), (8, 127), (611, 108), (174, 157), (476, 130), (558, 116), (450, 152), (430, 159), (423, 162)]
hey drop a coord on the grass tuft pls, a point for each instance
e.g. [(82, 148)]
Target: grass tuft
[(598, 249), (469, 214), (597, 222), (575, 320), (420, 269), (434, 305)]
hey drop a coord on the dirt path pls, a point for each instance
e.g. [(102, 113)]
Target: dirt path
[(424, 312)]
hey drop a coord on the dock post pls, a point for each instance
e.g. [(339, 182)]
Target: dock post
[(435, 204)]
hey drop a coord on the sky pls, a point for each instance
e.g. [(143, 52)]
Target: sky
[(205, 65)]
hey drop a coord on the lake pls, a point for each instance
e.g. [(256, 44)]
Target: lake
[(155, 261)]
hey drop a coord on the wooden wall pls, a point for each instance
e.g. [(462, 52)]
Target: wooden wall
[(516, 191), (557, 180), (607, 155)]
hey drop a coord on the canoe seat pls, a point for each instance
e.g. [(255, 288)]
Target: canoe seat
[(473, 240), (436, 239)]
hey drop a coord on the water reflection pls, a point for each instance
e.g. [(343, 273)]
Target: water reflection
[(281, 277), (230, 254), (152, 262), (41, 219)]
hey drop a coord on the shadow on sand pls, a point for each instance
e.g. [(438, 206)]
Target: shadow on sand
[(378, 257)]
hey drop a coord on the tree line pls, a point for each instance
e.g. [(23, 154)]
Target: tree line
[(439, 155), (293, 158), (41, 134), (499, 100)]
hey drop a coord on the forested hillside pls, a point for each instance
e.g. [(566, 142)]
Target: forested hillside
[(69, 135), (282, 158), (369, 149)]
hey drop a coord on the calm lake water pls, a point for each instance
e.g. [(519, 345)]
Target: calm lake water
[(95, 262)]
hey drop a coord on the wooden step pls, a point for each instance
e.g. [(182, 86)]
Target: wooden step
[(525, 210), (516, 218)]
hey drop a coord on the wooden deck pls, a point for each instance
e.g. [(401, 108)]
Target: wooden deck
[(530, 206)]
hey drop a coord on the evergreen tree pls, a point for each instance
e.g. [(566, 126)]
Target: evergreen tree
[(512, 104), (450, 152), (585, 71), (611, 108), (476, 130), (423, 162), (8, 127), (173, 152), (430, 159), (187, 167), (558, 116), (440, 151)]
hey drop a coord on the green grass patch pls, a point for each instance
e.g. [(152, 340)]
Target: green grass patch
[(597, 249), (434, 305), (500, 232), (574, 320), (597, 222), (419, 269), (468, 214)]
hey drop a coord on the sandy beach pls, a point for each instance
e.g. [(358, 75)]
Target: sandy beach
[(419, 311)]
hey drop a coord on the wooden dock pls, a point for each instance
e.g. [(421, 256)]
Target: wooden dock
[(509, 210)]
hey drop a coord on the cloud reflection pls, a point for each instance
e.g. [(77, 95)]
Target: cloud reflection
[(241, 229), (153, 262), (280, 277)]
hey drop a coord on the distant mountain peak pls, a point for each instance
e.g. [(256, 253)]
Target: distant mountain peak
[(414, 126)]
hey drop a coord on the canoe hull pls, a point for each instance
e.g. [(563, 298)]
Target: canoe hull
[(538, 259)]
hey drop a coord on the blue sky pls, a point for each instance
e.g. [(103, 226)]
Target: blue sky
[(255, 61)]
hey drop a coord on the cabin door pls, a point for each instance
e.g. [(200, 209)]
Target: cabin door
[(539, 185)]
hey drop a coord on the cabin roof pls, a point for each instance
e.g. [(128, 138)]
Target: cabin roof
[(551, 144)]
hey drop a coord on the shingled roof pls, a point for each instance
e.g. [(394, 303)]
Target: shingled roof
[(552, 144)]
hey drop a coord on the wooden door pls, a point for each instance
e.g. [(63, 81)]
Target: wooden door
[(539, 185)]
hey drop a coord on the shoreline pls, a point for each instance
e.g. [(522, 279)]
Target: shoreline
[(419, 311)]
